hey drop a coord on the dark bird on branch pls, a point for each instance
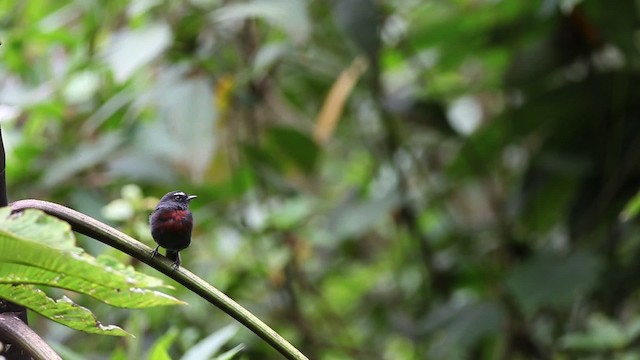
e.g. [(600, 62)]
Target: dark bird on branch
[(171, 224)]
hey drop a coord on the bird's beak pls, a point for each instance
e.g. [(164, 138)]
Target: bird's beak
[(191, 197)]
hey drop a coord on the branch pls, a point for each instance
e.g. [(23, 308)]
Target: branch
[(93, 228), (21, 335)]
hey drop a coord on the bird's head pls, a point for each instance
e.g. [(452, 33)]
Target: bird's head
[(177, 199)]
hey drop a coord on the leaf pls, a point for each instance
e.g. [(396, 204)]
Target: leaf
[(357, 217), (81, 87), (547, 202), (602, 334), (160, 349), (553, 280), (185, 133), (295, 146), (358, 19), (632, 208), (126, 297), (461, 326), (129, 50), (297, 25), (39, 249), (208, 346), (86, 155), (63, 311), (228, 355), (268, 56), (35, 239)]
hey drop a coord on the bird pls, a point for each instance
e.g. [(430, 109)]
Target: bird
[(171, 223)]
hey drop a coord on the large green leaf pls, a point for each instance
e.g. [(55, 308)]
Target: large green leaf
[(126, 297), (35, 239), (38, 249)]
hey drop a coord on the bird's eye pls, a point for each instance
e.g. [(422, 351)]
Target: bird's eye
[(178, 197)]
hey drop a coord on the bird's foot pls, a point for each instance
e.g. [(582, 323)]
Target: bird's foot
[(176, 261), (155, 252)]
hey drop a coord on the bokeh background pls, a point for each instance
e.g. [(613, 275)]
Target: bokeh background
[(376, 179)]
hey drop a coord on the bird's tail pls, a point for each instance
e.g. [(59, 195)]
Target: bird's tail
[(174, 256)]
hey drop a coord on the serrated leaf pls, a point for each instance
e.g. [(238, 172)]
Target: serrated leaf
[(63, 311)]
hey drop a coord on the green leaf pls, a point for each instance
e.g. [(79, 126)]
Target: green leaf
[(34, 239), (354, 218), (126, 297), (602, 334), (632, 208), (553, 280), (160, 350), (227, 355), (39, 249), (294, 146), (63, 311), (359, 20), (460, 326), (208, 346)]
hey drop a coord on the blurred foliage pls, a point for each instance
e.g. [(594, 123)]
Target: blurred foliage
[(375, 179)]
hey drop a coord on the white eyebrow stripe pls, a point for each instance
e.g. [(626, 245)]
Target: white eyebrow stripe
[(179, 193)]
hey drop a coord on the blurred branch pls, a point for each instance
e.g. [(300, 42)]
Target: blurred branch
[(114, 238)]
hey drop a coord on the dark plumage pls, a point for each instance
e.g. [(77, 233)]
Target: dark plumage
[(171, 224)]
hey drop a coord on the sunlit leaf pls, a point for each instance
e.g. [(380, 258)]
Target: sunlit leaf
[(632, 208), (63, 311)]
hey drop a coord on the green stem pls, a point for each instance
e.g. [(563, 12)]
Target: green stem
[(93, 228)]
